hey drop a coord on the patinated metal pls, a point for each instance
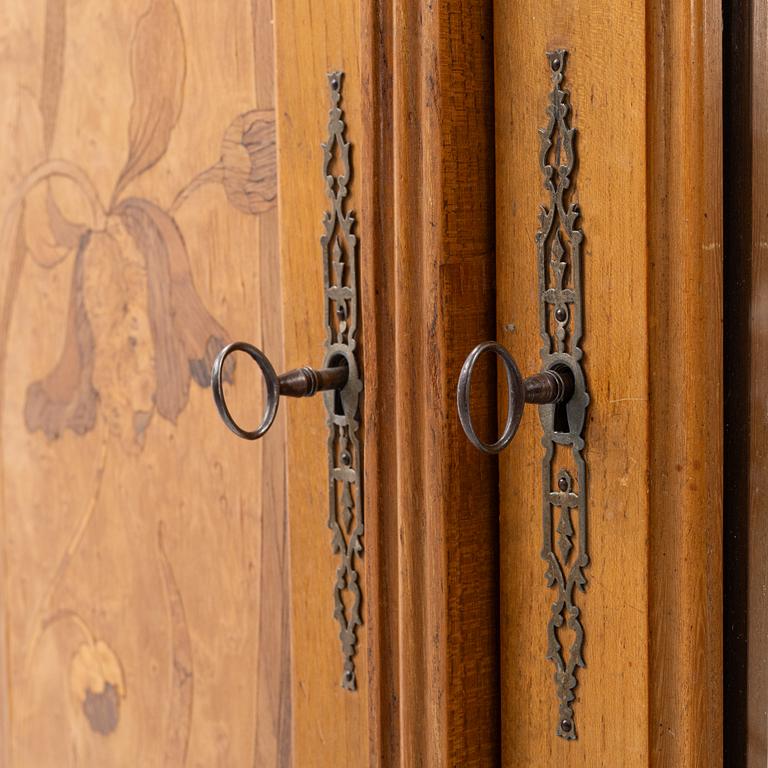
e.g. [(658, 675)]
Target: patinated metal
[(564, 479), (300, 382), (345, 516), (272, 387), (550, 386), (515, 397), (306, 381)]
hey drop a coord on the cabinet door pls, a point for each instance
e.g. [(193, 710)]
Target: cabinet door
[(165, 193), (150, 612)]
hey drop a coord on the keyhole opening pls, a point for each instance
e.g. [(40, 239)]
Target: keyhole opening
[(561, 423), (338, 361)]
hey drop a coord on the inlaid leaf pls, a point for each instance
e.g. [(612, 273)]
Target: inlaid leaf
[(53, 66), (182, 691), (66, 398), (158, 68)]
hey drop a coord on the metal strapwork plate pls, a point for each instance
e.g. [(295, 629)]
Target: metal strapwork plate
[(564, 475), (345, 515)]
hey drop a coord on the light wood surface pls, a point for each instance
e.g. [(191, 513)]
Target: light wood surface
[(428, 271), (144, 614), (312, 39), (645, 83)]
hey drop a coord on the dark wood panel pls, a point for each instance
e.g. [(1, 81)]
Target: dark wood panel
[(428, 269), (746, 404)]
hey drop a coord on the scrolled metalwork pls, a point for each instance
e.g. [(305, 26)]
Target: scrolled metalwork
[(345, 518), (564, 473)]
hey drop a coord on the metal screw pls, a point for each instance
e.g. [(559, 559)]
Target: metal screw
[(561, 315), (562, 483), (346, 458), (334, 83), (555, 64), (565, 725)]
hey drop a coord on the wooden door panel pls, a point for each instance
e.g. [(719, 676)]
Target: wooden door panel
[(432, 556), (615, 361), (312, 39), (144, 549), (644, 88)]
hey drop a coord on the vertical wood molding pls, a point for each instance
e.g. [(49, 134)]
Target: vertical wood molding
[(757, 610), (312, 38), (272, 738), (428, 282), (746, 383), (684, 202)]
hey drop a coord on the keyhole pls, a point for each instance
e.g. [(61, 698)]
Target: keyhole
[(561, 418), (561, 411), (338, 405)]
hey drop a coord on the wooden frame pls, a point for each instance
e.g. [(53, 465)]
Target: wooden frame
[(429, 292)]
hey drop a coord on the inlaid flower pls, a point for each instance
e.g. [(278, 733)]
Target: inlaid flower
[(249, 162), (137, 332), (98, 685)]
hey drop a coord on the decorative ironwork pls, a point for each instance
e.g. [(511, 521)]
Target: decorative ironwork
[(345, 518), (564, 475)]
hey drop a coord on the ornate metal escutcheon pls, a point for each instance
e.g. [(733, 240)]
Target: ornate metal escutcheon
[(561, 393), (339, 381), (345, 516)]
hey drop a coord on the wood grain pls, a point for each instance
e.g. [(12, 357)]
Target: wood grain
[(428, 273), (330, 724), (684, 198), (644, 82), (746, 447), (273, 703), (144, 549)]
